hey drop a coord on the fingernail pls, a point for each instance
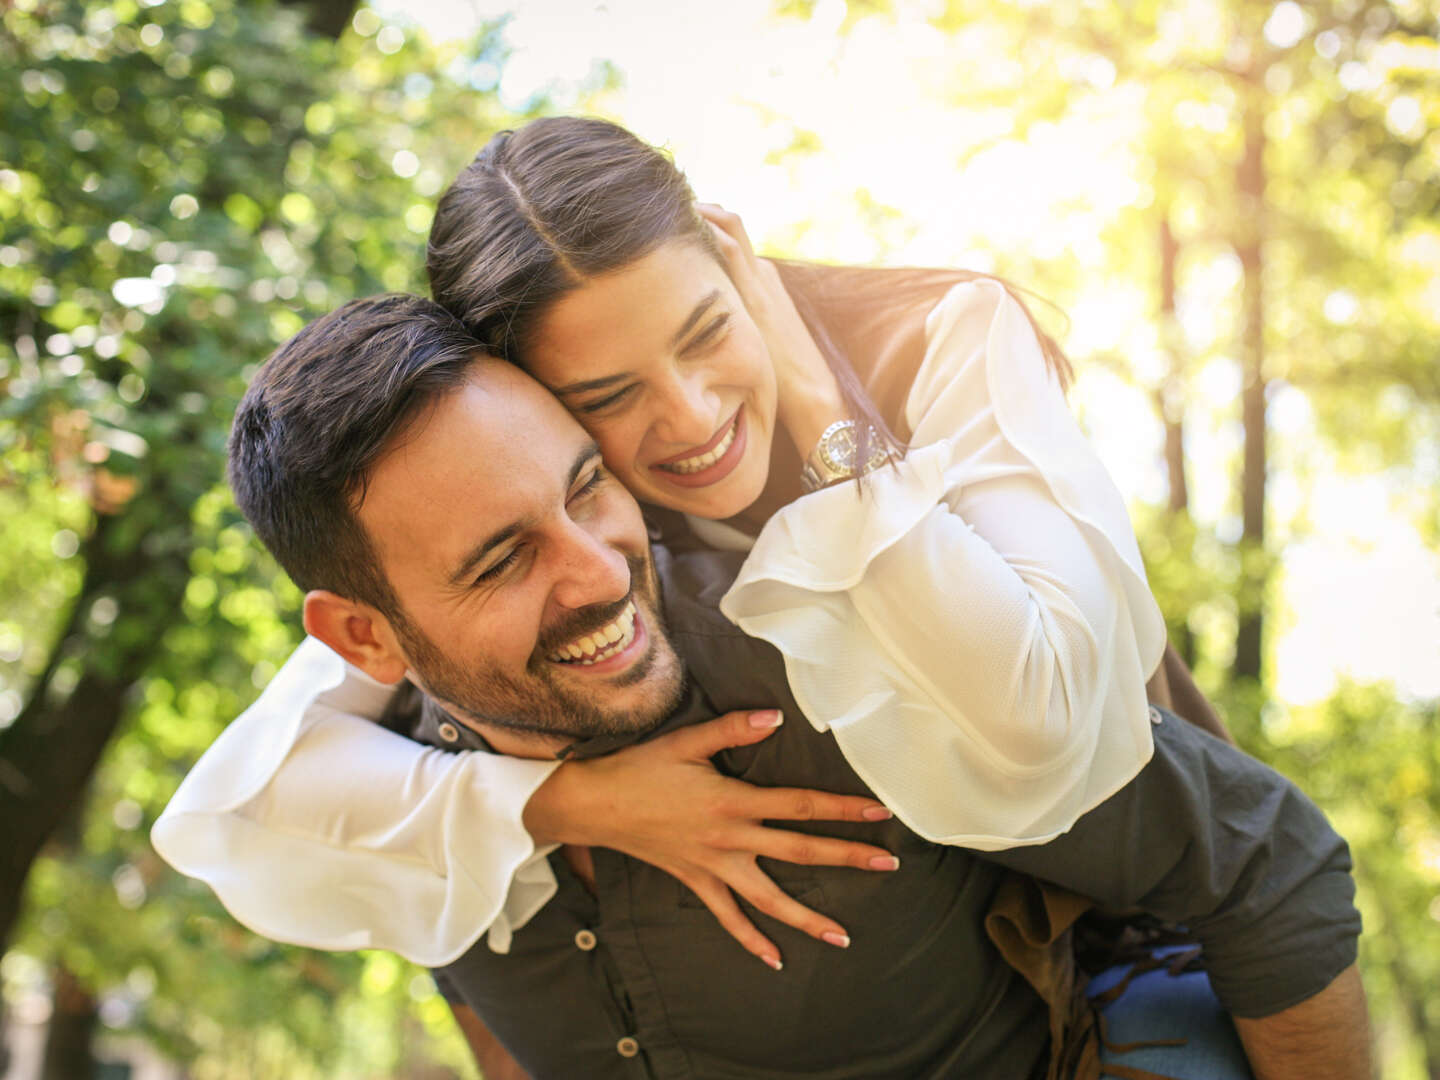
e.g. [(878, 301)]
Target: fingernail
[(876, 813), (884, 862), (840, 941), (767, 718), (774, 962)]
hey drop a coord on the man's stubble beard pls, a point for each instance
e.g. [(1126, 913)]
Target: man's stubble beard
[(542, 704)]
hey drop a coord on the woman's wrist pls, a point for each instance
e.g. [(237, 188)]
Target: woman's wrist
[(556, 809), (808, 406)]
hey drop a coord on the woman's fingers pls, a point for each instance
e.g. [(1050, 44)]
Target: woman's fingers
[(740, 728), (726, 221), (806, 804), (714, 894), (679, 814), (755, 887), (765, 896), (729, 232), (746, 801), (735, 262), (805, 850)]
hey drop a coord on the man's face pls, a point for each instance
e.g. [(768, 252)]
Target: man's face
[(529, 598)]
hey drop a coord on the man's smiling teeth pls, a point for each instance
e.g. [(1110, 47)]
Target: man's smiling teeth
[(705, 460), (601, 645)]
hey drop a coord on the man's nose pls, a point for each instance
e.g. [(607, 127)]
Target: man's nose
[(690, 410), (590, 571)]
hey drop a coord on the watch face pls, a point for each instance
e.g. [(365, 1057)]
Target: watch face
[(838, 450)]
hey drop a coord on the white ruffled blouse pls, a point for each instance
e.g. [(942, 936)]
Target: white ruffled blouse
[(974, 626)]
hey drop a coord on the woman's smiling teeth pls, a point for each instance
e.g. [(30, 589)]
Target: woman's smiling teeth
[(705, 460), (602, 644)]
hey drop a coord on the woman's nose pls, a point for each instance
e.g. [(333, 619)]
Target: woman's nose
[(689, 411)]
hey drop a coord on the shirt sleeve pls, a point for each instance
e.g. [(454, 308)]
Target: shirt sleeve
[(1209, 837), (973, 624), (318, 827)]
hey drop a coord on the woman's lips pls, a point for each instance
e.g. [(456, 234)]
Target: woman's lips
[(718, 469)]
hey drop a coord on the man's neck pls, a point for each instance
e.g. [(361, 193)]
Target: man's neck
[(514, 743)]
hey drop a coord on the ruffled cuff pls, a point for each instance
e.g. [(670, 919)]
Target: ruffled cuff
[(943, 772), (319, 828), (826, 541)]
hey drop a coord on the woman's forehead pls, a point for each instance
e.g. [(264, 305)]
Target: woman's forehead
[(620, 317)]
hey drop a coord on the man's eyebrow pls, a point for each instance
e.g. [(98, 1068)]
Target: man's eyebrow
[(696, 314), (588, 453)]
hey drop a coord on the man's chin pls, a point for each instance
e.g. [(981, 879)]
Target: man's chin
[(633, 701)]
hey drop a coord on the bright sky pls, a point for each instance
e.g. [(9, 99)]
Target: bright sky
[(722, 85)]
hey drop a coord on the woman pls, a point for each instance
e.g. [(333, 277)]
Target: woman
[(968, 616)]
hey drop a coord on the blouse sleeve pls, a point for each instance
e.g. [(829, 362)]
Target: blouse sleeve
[(974, 624), (309, 820)]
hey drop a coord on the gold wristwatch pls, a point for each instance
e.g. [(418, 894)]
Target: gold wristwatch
[(834, 456)]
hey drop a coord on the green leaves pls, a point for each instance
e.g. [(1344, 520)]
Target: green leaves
[(183, 184)]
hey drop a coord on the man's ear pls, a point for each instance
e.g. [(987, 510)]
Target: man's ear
[(359, 633)]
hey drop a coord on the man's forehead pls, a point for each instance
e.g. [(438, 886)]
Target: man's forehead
[(494, 400), (479, 458)]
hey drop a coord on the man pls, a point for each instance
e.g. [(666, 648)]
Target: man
[(452, 524)]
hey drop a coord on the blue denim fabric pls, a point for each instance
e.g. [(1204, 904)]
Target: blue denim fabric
[(1157, 1005)]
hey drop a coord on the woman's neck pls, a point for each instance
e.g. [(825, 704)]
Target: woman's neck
[(781, 488)]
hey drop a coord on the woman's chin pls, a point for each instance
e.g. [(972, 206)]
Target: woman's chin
[(726, 498)]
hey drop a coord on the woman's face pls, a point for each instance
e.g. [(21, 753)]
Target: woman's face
[(662, 364)]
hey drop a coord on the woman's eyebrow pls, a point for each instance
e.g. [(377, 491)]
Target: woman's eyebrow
[(589, 384), (696, 314)]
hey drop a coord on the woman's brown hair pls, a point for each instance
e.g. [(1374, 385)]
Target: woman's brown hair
[(545, 208)]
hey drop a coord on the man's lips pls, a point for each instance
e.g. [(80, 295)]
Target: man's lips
[(728, 447), (596, 645), (617, 655)]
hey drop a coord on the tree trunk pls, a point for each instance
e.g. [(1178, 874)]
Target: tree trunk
[(1249, 246), (328, 18), (1171, 396), (67, 1041), (49, 753), (5, 1056), (1170, 401)]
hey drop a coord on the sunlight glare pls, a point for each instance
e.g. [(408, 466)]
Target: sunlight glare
[(916, 165), (1286, 25)]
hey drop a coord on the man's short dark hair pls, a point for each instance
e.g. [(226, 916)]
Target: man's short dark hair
[(318, 415)]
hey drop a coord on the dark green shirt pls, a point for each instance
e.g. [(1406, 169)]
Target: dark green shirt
[(638, 980)]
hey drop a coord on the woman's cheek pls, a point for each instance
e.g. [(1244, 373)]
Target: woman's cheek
[(622, 445)]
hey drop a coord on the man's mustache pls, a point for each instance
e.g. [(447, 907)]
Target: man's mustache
[(588, 620)]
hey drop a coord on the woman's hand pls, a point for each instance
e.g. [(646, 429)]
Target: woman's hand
[(662, 801), (809, 397)]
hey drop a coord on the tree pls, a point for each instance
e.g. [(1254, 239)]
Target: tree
[(182, 185), (1291, 149), (1287, 138)]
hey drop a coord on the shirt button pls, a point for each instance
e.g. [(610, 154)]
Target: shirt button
[(585, 940), (1155, 716), (627, 1047), (449, 732)]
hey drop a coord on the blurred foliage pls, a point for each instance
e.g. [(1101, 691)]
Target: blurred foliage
[(183, 184), (1374, 763), (1345, 214)]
